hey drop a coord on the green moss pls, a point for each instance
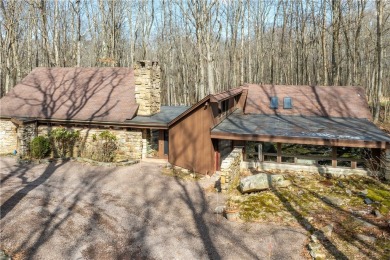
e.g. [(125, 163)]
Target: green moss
[(382, 196), (383, 209), (384, 245), (259, 205)]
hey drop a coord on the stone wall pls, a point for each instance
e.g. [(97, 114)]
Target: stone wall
[(147, 87), (230, 169), (288, 167), (26, 133), (387, 164), (129, 142), (8, 137)]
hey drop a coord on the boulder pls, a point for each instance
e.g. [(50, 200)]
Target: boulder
[(377, 214), (4, 256), (363, 223), (363, 193), (314, 238), (334, 201), (314, 246), (327, 230), (219, 209), (365, 238), (368, 201), (262, 181)]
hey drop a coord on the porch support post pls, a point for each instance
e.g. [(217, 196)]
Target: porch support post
[(387, 164), (144, 143), (334, 156), (244, 151), (353, 164), (279, 152), (161, 143)]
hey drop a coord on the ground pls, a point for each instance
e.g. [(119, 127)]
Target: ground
[(349, 216), (70, 210)]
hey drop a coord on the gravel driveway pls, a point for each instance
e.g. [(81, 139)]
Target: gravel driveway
[(69, 210)]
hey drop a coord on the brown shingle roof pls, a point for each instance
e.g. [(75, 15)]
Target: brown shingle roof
[(318, 130), (309, 101), (225, 94), (91, 94)]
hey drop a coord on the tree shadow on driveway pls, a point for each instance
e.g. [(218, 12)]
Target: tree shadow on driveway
[(11, 202)]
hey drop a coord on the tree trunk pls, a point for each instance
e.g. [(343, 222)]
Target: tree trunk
[(379, 53)]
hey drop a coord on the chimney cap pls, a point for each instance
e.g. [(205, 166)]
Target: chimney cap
[(146, 63)]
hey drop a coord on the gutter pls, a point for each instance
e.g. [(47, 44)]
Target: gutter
[(90, 123)]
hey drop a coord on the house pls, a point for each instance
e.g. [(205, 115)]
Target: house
[(332, 125), (123, 100), (284, 127)]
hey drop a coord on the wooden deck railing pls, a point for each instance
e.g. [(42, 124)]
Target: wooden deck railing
[(315, 159)]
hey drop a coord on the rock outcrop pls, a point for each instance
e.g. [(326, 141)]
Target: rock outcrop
[(262, 181)]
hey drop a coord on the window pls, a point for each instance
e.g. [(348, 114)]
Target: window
[(274, 102), (287, 103), (224, 107)]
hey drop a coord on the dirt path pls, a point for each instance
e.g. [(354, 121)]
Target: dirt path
[(76, 211)]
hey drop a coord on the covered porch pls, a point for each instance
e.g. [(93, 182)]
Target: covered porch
[(338, 145)]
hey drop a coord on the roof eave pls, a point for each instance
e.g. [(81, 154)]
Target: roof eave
[(215, 99), (88, 122), (188, 111)]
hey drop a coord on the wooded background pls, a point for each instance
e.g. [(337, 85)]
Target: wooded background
[(206, 46)]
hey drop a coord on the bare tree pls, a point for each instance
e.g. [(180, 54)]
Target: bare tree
[(379, 54), (205, 46)]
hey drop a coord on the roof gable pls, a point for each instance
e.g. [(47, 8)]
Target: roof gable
[(326, 101), (87, 94), (215, 98)]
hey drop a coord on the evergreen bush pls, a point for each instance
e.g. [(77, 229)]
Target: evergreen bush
[(39, 147)]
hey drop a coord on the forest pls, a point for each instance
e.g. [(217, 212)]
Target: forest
[(206, 46)]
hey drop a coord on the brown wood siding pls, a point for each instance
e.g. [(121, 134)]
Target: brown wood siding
[(242, 99), (190, 144), (161, 154)]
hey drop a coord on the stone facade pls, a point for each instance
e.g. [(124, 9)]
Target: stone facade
[(129, 141), (147, 87), (26, 133), (8, 137), (16, 137), (230, 169), (387, 164)]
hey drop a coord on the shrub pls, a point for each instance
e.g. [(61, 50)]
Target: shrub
[(39, 147), (103, 147), (63, 140), (107, 136)]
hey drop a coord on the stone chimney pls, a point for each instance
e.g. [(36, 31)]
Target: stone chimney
[(147, 87)]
